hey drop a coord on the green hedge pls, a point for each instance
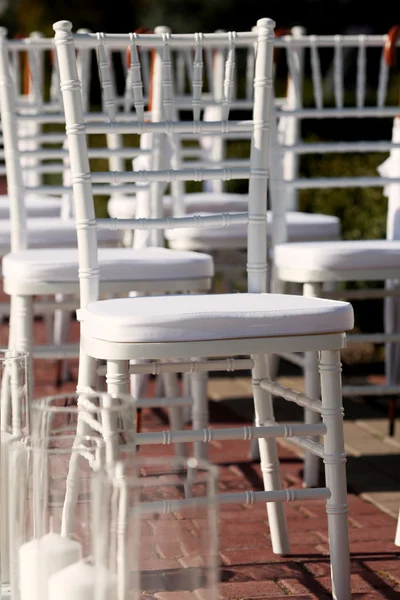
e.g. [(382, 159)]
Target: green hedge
[(362, 211)]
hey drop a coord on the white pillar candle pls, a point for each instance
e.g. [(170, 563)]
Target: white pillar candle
[(79, 581), (4, 528), (40, 558)]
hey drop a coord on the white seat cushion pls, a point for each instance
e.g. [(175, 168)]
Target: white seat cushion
[(116, 264), (124, 207), (339, 255), (301, 226), (212, 317), (53, 232), (36, 206)]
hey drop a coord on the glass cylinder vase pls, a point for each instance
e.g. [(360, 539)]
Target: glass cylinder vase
[(50, 515), (14, 423), (50, 512), (155, 528), (111, 417)]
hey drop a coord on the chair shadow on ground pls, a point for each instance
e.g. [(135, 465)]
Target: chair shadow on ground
[(366, 473), (302, 568)]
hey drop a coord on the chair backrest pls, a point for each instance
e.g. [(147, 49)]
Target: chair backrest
[(366, 92), (26, 145), (162, 127)]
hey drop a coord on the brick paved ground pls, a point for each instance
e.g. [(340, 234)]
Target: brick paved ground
[(248, 567)]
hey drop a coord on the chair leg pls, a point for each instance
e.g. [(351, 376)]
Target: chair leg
[(48, 319), (159, 388), (313, 390), (101, 385), (187, 411), (269, 457), (397, 538), (86, 382), (175, 414), (86, 372), (23, 334), (62, 326), (5, 382), (392, 414), (273, 368), (118, 383), (335, 473), (200, 417), (276, 286)]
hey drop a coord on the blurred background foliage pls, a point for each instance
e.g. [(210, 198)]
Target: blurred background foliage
[(318, 16)]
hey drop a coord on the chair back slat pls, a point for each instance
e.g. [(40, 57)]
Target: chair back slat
[(295, 73), (316, 73), (383, 80), (208, 59), (162, 129), (229, 77), (250, 63), (197, 80), (15, 183), (104, 58), (84, 66), (36, 71), (338, 72), (361, 72), (108, 98), (134, 82), (167, 98)]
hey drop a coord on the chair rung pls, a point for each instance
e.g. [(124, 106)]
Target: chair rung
[(192, 366), (346, 113), (56, 352), (164, 402), (237, 433), (309, 445), (335, 147), (371, 390), (360, 294), (42, 307), (375, 338), (288, 495), (296, 359), (188, 174), (196, 221), (340, 182), (277, 389)]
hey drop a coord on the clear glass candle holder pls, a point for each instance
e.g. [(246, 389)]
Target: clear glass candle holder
[(14, 423), (155, 528), (113, 418), (50, 513), (14, 414)]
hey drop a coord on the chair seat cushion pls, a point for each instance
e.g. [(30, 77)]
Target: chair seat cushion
[(124, 207), (339, 255), (36, 206), (301, 226), (212, 317), (116, 264), (56, 232)]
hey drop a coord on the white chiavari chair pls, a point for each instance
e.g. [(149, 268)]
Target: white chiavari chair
[(181, 327), (317, 265), (36, 206), (52, 271)]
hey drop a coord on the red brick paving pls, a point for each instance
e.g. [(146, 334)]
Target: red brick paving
[(249, 569)]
